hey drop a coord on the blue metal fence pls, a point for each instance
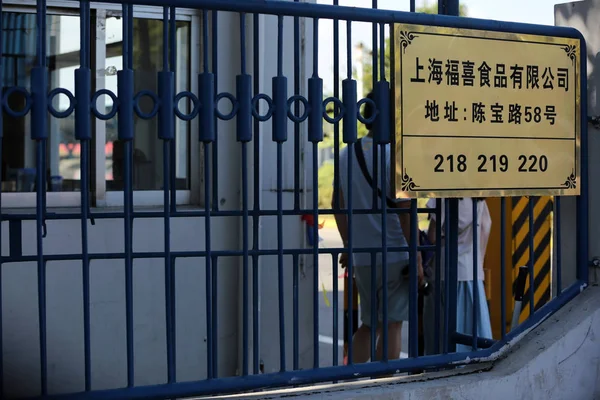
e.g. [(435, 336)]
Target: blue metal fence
[(281, 107)]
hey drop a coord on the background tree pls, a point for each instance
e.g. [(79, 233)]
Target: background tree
[(367, 78), (326, 171)]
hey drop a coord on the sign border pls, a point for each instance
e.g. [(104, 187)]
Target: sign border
[(405, 187)]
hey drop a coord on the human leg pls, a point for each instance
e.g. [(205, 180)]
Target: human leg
[(361, 348), (394, 334), (397, 310), (361, 341)]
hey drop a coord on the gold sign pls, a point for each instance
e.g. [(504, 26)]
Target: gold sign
[(484, 114)]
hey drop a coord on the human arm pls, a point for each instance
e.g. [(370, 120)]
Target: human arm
[(405, 223), (341, 221), (432, 229)]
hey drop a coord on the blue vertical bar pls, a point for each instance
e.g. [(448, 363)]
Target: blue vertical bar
[(296, 325), (297, 159), (475, 203), (44, 186), (244, 133), (583, 198), (295, 306), (315, 227), (1, 163), (503, 266), (83, 133), (336, 174), (207, 136), (211, 119), (375, 203), (381, 140), (438, 272), (173, 150), (335, 305), (382, 98), (375, 79), (446, 223), (215, 147), (412, 6), (215, 316), (413, 324), (126, 133), (210, 341), (280, 135), (557, 227), (166, 133), (336, 129), (374, 307), (1, 325), (39, 109), (448, 7), (349, 89), (169, 271), (453, 244), (256, 202), (531, 258), (451, 7), (39, 133), (129, 147), (41, 273), (315, 135)]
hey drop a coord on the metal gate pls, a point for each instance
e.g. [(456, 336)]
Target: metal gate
[(125, 199)]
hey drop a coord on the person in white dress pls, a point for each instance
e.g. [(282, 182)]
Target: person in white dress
[(465, 293)]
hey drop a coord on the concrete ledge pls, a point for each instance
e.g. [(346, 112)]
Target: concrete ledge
[(559, 359)]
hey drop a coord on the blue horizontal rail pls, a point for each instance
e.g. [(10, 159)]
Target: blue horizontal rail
[(342, 13), (300, 117)]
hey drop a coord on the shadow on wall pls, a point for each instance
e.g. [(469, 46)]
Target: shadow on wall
[(580, 15)]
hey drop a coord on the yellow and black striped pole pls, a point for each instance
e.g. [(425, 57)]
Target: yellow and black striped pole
[(542, 231)]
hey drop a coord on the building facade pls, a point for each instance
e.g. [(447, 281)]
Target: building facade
[(188, 158)]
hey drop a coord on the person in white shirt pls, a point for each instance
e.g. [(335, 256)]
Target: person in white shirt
[(367, 232), (465, 293)]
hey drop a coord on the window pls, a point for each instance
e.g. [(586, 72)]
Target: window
[(62, 161), (18, 58), (147, 62)]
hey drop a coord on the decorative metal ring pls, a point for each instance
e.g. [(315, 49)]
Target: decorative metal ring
[(195, 105), (338, 105), (268, 100), (113, 110), (291, 114), (136, 104), (234, 106), (9, 92), (61, 114), (359, 115)]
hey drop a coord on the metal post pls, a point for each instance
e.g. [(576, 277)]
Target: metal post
[(448, 7), (453, 273), (451, 7), (347, 311)]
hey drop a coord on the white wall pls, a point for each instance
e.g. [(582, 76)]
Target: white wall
[(294, 230), (584, 16), (107, 304), (108, 337)]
